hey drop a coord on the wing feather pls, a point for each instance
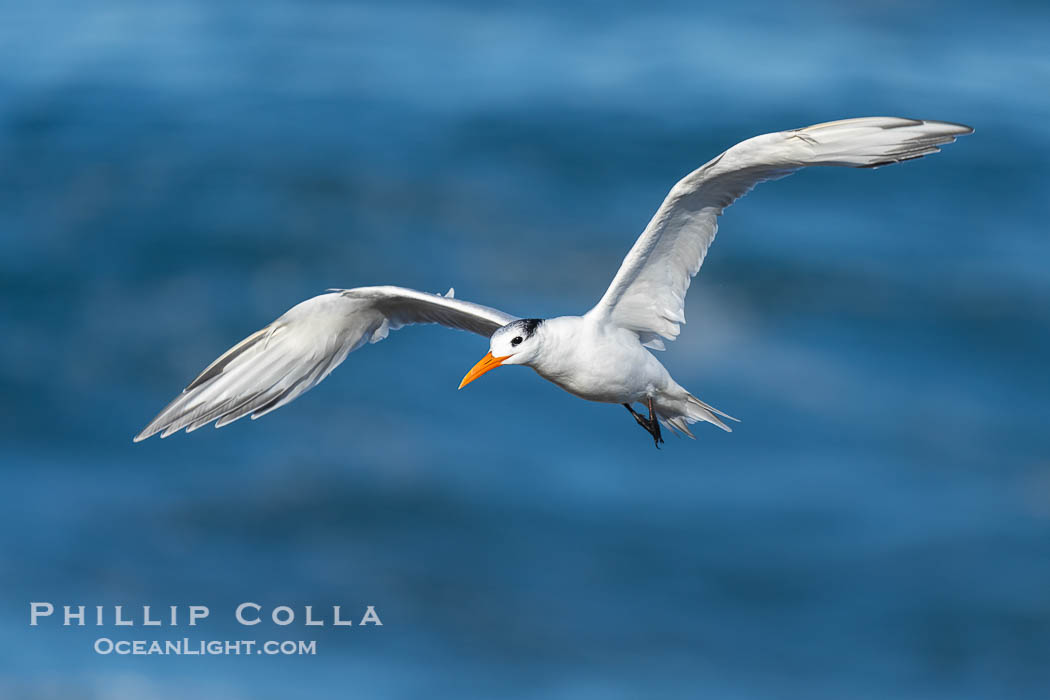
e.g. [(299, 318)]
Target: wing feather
[(647, 295), (278, 363)]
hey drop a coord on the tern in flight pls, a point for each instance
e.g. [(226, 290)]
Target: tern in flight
[(603, 355)]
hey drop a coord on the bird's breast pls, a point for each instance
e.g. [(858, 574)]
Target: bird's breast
[(609, 367)]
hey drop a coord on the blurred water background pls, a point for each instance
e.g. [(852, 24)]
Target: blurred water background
[(174, 175)]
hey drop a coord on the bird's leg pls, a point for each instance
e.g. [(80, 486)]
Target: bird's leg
[(654, 425), (651, 424), (638, 417)]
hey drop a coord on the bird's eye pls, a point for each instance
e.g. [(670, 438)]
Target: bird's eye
[(516, 341)]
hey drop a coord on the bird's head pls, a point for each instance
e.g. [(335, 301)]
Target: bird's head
[(516, 343)]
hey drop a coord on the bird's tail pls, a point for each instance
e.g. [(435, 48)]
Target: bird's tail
[(680, 413)]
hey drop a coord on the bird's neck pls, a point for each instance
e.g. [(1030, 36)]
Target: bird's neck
[(559, 346)]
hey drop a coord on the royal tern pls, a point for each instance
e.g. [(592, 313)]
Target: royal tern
[(603, 355)]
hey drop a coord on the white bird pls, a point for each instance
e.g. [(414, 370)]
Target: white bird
[(603, 355)]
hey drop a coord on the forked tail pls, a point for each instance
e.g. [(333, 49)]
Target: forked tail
[(679, 414)]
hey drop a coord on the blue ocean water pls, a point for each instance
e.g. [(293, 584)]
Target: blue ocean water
[(174, 175)]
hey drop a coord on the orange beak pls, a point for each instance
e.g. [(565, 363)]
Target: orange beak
[(486, 364)]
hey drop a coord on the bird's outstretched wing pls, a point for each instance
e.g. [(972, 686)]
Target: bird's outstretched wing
[(294, 353), (647, 295)]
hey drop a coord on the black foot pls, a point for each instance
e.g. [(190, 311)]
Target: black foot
[(637, 416), (651, 424), (654, 425)]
